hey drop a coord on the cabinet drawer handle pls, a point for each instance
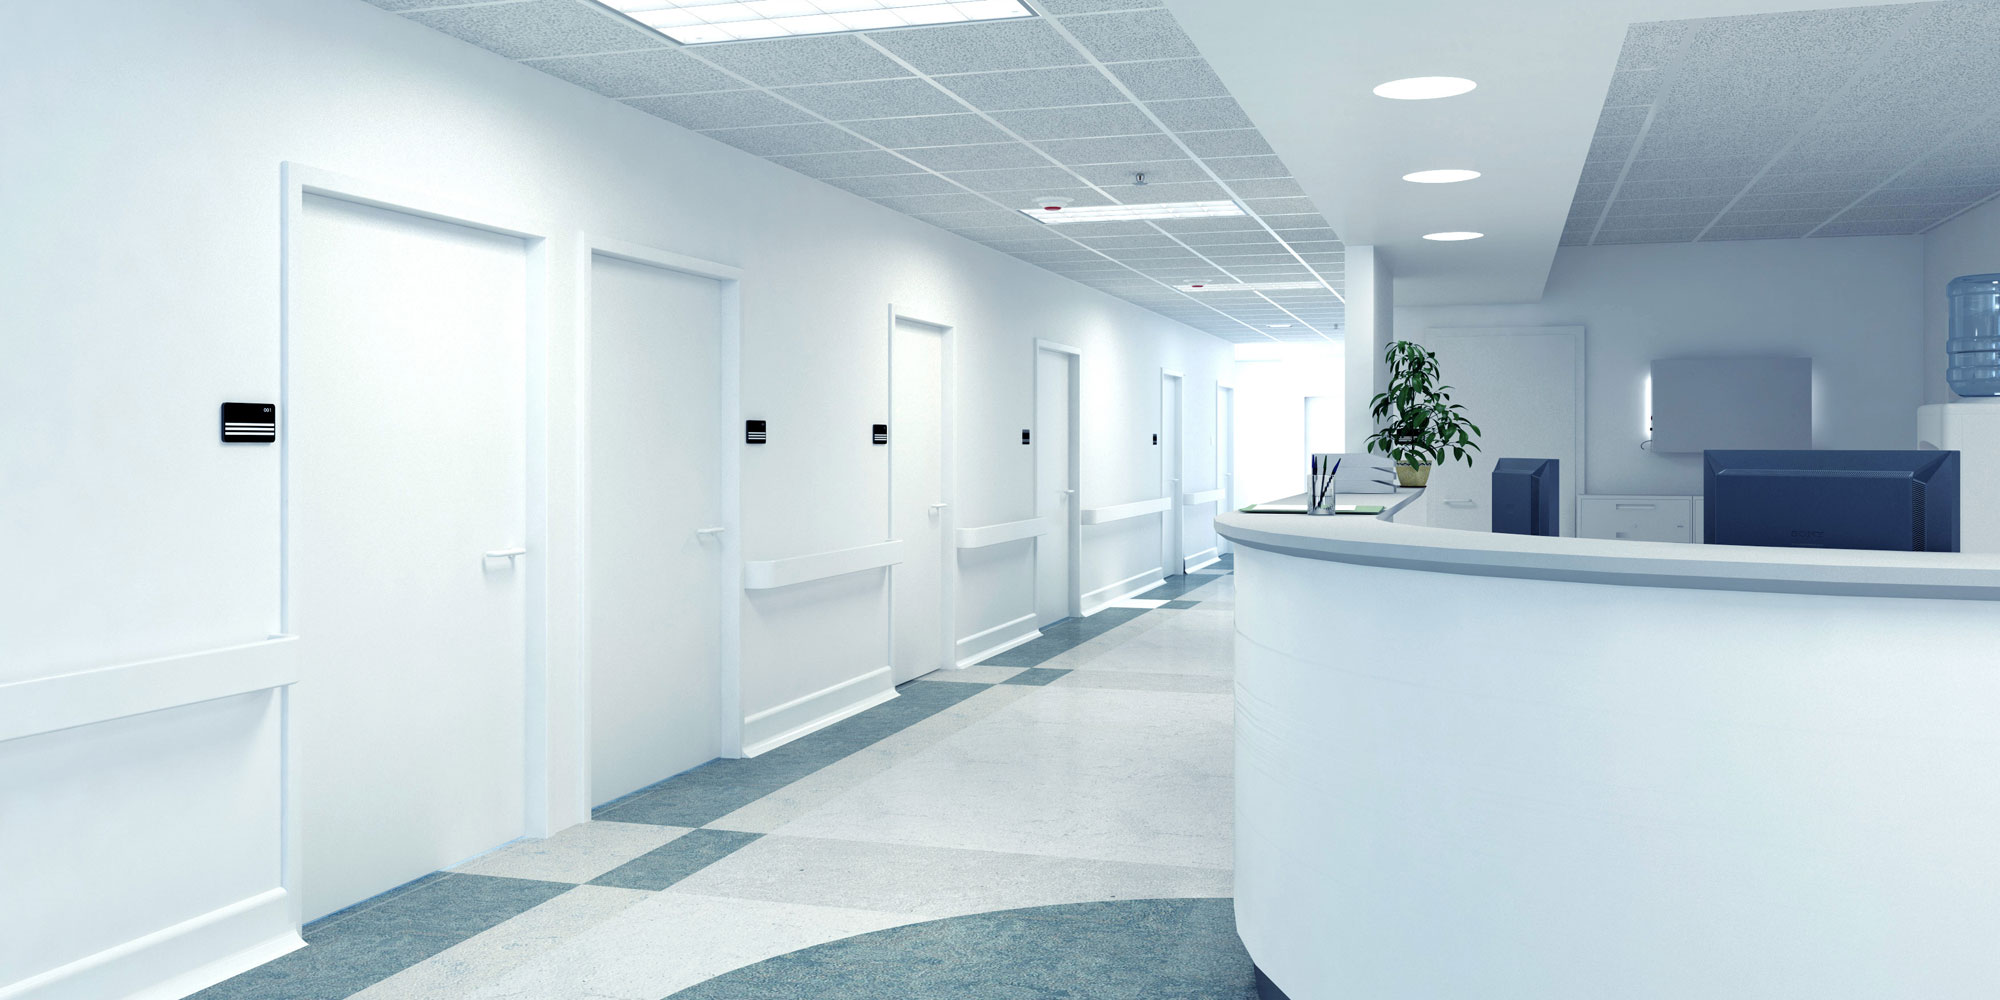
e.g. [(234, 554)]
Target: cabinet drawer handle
[(1638, 506)]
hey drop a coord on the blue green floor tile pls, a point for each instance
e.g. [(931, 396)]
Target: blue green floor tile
[(1035, 676), (1062, 637), (1143, 949), (355, 948), (1179, 605), (675, 860), (720, 787), (1175, 586)]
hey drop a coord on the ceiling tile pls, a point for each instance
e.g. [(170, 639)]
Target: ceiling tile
[(995, 218), (936, 204), (978, 48), (1629, 87), (786, 62), (785, 140), (1611, 236), (933, 130), (1223, 225), (729, 109), (1057, 87), (1649, 46), (895, 186), (1127, 242), (1201, 114), (1695, 187), (1125, 37), (1289, 222), (1049, 179), (1152, 194), (1119, 150), (1156, 171), (865, 164), (1825, 201), (1962, 195), (1077, 123), (1755, 232), (1881, 213), (873, 99), (1269, 188), (1776, 217), (637, 74), (1232, 168), (992, 156), (1064, 7), (1663, 168), (1083, 229), (1235, 142), (1884, 228), (1308, 235), (540, 28), (1845, 180), (1281, 206), (1170, 79)]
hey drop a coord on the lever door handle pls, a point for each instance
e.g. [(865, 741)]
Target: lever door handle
[(507, 554), (938, 507), (709, 532), (1460, 503)]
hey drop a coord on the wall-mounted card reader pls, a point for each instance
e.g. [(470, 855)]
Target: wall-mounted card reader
[(249, 423), (754, 433), (881, 433), (1024, 435)]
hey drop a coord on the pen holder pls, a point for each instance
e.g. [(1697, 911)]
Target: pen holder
[(1320, 489)]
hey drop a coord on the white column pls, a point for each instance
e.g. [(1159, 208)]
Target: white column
[(1371, 311)]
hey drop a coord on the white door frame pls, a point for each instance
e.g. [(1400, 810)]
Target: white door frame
[(730, 575), (1173, 472), (948, 458), (298, 181), (1071, 533)]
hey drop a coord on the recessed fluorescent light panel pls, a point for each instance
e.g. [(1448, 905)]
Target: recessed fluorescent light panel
[(1261, 286), (1452, 237), (699, 22), (1424, 88), (1056, 216), (1440, 176)]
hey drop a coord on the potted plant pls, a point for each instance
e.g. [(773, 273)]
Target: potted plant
[(1417, 423)]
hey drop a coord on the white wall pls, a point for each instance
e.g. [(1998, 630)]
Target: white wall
[(1273, 382), (1852, 304), (143, 148), (1969, 244)]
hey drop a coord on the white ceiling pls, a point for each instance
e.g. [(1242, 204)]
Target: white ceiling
[(961, 125), (1303, 70)]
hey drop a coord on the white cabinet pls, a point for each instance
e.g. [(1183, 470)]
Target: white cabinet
[(1638, 518), (1971, 428)]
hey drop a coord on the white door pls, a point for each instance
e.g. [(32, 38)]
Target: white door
[(1171, 467), (406, 453), (920, 509), (652, 587), (1524, 390), (1225, 455), (1055, 486)]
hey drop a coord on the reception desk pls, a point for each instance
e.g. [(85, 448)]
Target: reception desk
[(1498, 767)]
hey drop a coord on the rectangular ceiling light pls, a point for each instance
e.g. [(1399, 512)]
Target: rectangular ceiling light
[(1262, 286), (698, 22), (1135, 213)]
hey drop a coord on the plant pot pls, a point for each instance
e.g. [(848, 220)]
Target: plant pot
[(1413, 477)]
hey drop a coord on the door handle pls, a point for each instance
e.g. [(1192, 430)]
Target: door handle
[(938, 507), (708, 532), (1637, 506), (508, 554), (1461, 503)]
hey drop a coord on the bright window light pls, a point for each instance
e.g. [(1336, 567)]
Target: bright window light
[(1440, 176), (1424, 88), (1261, 286), (699, 22), (1056, 216), (1452, 237)]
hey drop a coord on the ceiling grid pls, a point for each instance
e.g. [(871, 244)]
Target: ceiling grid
[(1861, 121), (963, 125)]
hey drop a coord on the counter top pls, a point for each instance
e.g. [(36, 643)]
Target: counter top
[(1382, 541)]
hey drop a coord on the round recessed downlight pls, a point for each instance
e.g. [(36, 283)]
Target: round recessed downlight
[(1440, 176), (1424, 88), (1452, 237)]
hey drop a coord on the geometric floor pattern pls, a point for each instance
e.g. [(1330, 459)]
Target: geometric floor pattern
[(1069, 799)]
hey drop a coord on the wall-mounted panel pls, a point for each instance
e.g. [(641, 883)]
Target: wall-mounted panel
[(1703, 403)]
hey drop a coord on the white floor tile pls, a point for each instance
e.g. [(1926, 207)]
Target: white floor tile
[(490, 957), (975, 674), (578, 854)]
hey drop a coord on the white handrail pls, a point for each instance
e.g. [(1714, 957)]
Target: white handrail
[(66, 701), (1119, 512), (995, 534), (766, 574)]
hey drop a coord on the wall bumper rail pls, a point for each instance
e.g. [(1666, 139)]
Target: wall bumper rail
[(769, 574)]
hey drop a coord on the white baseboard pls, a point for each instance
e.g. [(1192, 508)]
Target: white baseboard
[(775, 727), (995, 646), (1201, 560), (177, 961), (1095, 601)]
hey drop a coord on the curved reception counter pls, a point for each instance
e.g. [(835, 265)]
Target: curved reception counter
[(1515, 768)]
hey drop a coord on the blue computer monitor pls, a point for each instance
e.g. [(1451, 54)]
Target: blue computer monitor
[(1905, 501), (1526, 498)]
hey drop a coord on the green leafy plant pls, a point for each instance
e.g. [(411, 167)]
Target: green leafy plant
[(1417, 422)]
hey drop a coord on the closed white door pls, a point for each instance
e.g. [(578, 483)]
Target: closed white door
[(1524, 390), (407, 458), (653, 572), (1225, 455), (920, 509), (1055, 485), (1171, 467)]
